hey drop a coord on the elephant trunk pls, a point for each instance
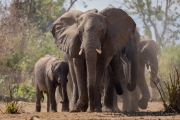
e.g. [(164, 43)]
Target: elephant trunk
[(64, 92), (153, 61), (91, 60), (132, 54)]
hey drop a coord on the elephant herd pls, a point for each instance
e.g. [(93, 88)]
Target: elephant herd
[(101, 48)]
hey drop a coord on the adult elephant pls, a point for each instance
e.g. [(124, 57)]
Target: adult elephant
[(131, 100), (91, 41), (50, 72)]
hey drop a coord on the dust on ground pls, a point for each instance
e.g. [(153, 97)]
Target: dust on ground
[(154, 111)]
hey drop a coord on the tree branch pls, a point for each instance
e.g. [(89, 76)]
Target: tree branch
[(71, 4)]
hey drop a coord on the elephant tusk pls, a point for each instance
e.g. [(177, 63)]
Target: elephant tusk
[(98, 51), (80, 52)]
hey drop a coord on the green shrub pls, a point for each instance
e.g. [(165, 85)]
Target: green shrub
[(170, 94), (12, 108), (24, 90)]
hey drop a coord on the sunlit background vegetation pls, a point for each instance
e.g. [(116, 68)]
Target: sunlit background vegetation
[(25, 36)]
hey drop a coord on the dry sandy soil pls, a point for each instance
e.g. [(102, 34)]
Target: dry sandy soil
[(152, 112)]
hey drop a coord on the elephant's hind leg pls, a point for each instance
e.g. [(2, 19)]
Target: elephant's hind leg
[(39, 95)]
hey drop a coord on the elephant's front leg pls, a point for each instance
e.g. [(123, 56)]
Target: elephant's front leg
[(134, 100), (109, 89), (142, 84), (126, 97), (51, 95), (101, 66), (80, 70), (39, 95)]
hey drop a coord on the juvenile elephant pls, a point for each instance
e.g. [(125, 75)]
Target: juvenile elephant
[(91, 41), (131, 100), (50, 72)]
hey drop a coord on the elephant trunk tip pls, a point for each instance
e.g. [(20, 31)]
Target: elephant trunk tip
[(118, 88), (131, 87)]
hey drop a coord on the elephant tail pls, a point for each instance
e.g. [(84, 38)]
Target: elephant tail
[(42, 99)]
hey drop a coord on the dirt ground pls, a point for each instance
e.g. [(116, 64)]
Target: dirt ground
[(28, 110)]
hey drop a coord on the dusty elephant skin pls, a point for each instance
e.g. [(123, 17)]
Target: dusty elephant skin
[(131, 100), (91, 41), (50, 72)]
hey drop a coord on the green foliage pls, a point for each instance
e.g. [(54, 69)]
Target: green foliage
[(171, 91), (24, 90), (169, 87), (12, 107), (45, 12), (170, 56)]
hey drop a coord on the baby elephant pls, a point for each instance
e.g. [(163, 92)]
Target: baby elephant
[(50, 72)]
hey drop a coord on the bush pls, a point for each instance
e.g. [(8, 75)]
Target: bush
[(170, 94), (12, 107), (24, 90)]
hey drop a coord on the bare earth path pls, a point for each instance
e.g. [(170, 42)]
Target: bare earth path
[(153, 112)]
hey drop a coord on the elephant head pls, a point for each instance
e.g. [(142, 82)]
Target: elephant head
[(92, 34), (148, 53), (57, 72)]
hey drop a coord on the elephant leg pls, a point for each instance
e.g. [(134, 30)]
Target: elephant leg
[(82, 102), (101, 65), (109, 89), (126, 97), (51, 95), (142, 84), (38, 99), (134, 100), (75, 96), (115, 102), (48, 103)]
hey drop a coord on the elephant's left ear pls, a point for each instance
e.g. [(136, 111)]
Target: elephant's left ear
[(120, 29), (65, 31), (49, 73)]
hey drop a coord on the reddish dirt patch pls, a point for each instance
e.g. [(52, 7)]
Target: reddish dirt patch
[(152, 112)]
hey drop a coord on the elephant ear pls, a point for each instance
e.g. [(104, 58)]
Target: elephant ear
[(65, 33), (120, 30), (49, 72)]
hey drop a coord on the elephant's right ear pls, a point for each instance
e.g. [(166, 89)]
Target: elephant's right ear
[(65, 33)]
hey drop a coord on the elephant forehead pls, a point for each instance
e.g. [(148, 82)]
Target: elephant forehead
[(91, 17)]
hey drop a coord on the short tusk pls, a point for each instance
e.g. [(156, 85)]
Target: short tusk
[(98, 51), (80, 52)]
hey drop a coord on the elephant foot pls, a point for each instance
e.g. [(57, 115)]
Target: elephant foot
[(38, 108), (53, 111), (98, 109), (142, 104), (107, 109), (116, 110), (82, 106), (134, 109), (65, 107), (74, 109)]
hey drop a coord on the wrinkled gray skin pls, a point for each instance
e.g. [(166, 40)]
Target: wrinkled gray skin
[(91, 41), (131, 100), (50, 72)]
